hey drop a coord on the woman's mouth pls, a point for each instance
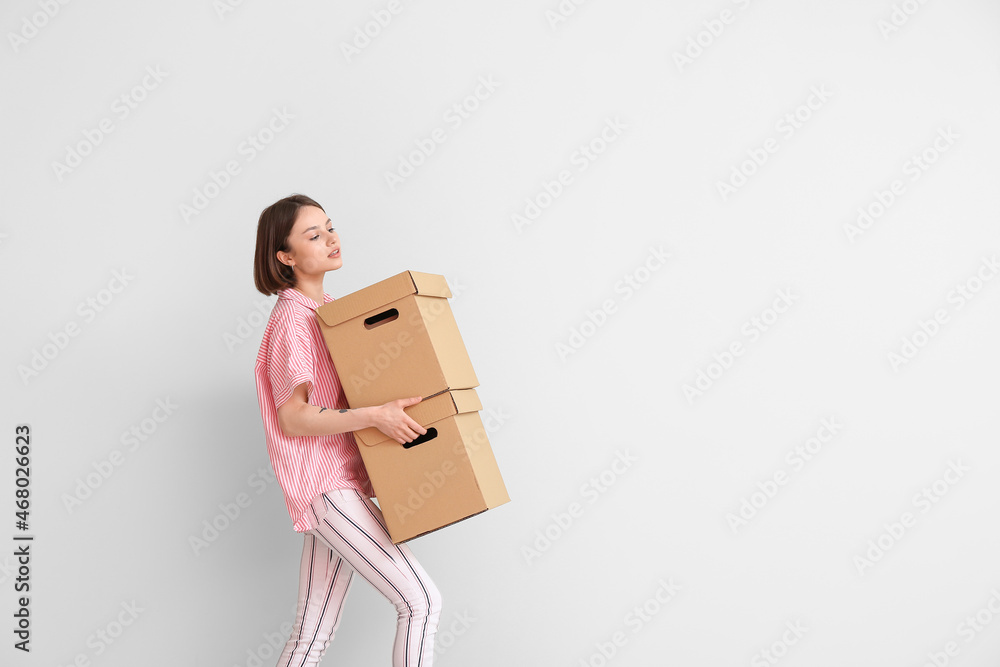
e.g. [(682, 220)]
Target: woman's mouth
[(335, 253)]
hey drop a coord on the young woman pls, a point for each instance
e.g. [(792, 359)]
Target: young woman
[(308, 427)]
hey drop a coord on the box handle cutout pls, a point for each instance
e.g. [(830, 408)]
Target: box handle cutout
[(421, 439), (382, 318)]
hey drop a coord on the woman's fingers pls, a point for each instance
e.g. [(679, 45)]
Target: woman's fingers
[(416, 427)]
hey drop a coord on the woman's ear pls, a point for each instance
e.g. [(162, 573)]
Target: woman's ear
[(284, 258)]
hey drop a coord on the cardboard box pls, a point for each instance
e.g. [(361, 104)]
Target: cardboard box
[(395, 339), (443, 477)]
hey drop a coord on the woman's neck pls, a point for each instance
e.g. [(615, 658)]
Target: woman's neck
[(312, 287)]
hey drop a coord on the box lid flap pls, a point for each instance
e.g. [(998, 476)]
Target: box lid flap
[(378, 294), (428, 411), (465, 400)]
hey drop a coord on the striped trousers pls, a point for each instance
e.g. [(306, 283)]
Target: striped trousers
[(351, 537)]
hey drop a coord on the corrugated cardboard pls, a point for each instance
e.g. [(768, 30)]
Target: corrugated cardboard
[(442, 480), (395, 339)]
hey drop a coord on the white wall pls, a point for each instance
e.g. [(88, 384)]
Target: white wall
[(181, 323)]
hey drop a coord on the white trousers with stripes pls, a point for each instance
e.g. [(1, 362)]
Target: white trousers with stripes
[(351, 537)]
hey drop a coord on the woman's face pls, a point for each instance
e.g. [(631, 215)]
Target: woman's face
[(313, 246)]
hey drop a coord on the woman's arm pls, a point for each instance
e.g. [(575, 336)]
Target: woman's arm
[(297, 417)]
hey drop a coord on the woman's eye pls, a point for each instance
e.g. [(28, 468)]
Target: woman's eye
[(331, 229), (314, 238)]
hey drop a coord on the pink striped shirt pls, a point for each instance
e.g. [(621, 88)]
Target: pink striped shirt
[(293, 351)]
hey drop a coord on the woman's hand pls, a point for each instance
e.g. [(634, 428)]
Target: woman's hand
[(393, 422)]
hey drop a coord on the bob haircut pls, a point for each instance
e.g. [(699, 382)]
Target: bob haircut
[(275, 224)]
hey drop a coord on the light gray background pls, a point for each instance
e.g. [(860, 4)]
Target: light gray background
[(186, 326)]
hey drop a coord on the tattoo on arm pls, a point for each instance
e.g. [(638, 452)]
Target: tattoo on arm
[(342, 410)]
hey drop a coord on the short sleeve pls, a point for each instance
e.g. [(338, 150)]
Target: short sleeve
[(290, 360)]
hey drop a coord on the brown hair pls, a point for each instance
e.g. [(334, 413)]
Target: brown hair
[(273, 228)]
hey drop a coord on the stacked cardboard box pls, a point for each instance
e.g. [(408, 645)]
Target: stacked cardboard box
[(395, 339)]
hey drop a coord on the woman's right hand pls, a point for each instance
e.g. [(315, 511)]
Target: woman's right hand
[(393, 422)]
